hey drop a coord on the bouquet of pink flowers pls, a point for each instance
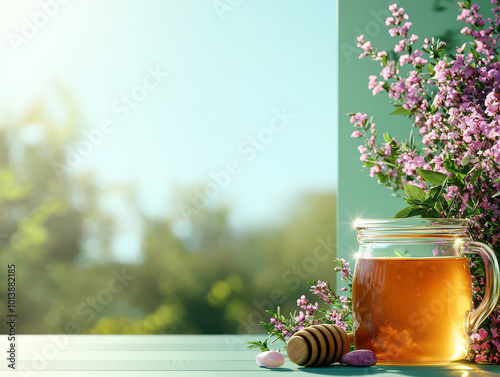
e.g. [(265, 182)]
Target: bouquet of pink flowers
[(451, 169)]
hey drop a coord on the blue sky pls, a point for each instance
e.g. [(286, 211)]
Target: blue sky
[(222, 73)]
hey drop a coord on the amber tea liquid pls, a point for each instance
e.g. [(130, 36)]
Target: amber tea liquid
[(412, 309)]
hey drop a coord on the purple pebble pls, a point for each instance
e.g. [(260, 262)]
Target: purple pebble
[(360, 358)]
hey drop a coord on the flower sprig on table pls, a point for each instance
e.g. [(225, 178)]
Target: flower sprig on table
[(337, 310), (453, 101)]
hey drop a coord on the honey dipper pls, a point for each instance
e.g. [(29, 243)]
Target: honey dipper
[(324, 344)]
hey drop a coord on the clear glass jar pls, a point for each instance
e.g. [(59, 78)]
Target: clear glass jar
[(412, 290)]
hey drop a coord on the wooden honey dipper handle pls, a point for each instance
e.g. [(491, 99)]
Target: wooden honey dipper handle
[(319, 345)]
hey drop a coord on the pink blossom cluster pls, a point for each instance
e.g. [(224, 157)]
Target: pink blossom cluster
[(308, 316), (343, 267), (279, 326), (486, 342), (453, 102), (456, 111), (336, 313), (337, 308)]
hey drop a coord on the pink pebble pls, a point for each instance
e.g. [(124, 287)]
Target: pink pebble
[(270, 359), (360, 358)]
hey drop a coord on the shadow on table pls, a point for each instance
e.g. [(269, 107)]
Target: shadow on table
[(278, 369), (453, 369)]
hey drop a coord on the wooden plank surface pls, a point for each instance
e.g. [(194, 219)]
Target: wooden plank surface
[(183, 356)]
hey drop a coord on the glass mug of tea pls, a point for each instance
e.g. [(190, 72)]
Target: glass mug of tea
[(412, 290)]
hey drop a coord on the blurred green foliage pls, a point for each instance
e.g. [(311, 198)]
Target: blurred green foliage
[(216, 280)]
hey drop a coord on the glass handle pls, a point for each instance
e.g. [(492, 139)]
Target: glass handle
[(492, 292)]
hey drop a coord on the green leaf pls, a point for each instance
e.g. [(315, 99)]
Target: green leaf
[(369, 164), (384, 60), (253, 345), (414, 192), (477, 173), (465, 160), (382, 178), (411, 140), (450, 166), (263, 346), (430, 68), (387, 137), (401, 111), (432, 177), (479, 272), (435, 193), (410, 212)]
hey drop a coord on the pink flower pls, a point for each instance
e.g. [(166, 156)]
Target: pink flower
[(372, 81), (494, 332), (475, 337), (374, 170), (451, 191), (379, 88), (356, 134), (404, 59), (302, 301), (367, 46), (358, 118), (380, 55), (481, 358), (400, 46), (485, 346), (388, 71), (483, 334), (492, 103), (376, 87)]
